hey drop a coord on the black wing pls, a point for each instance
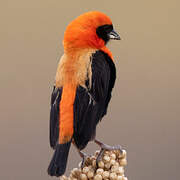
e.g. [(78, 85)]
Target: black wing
[(58, 162), (54, 116), (91, 105)]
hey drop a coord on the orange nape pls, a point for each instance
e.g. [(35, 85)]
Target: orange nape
[(81, 33), (66, 113)]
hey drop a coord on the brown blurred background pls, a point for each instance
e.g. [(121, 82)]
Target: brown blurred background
[(144, 114)]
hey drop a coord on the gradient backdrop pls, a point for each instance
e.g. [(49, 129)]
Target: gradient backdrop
[(144, 114)]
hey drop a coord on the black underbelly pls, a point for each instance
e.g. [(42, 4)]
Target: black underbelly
[(87, 113)]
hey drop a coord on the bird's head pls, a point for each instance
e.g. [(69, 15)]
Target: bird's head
[(90, 30)]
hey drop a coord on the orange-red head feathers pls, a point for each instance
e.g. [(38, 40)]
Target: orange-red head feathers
[(81, 33)]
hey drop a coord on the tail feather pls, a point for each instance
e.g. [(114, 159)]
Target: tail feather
[(58, 163)]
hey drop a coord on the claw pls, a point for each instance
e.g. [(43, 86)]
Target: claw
[(99, 157), (84, 157), (105, 147)]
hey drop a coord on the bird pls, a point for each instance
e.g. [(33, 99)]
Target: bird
[(84, 80)]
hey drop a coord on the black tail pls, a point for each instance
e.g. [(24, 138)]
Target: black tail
[(58, 163)]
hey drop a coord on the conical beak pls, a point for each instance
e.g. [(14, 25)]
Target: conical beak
[(114, 35)]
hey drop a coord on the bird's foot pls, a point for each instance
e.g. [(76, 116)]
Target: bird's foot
[(84, 157), (105, 147)]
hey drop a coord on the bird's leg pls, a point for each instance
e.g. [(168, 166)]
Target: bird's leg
[(84, 157), (82, 154), (105, 147)]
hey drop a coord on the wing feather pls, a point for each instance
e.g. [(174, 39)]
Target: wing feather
[(54, 116)]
